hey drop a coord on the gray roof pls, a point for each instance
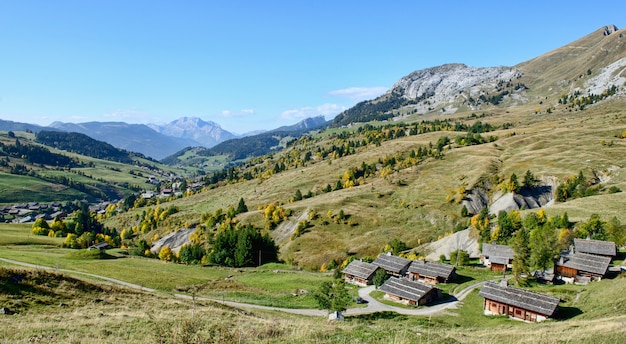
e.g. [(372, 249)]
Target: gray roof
[(431, 269), (392, 263), (100, 245), (586, 262), (497, 250), (605, 248), (360, 269), (538, 303), (406, 289), (499, 260)]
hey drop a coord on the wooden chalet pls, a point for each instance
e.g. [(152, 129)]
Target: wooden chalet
[(102, 246), (359, 272), (597, 247), (575, 265), (409, 292), (500, 299), (497, 257), (394, 265), (431, 272)]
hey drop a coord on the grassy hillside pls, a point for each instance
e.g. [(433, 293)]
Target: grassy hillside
[(25, 180), (410, 203), (64, 306)]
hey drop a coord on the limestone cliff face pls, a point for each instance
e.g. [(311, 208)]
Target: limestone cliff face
[(450, 83)]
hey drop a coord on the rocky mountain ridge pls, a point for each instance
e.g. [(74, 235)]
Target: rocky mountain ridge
[(452, 83), (205, 133)]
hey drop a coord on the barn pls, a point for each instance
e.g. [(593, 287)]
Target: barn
[(409, 292), (394, 265), (359, 273), (501, 299), (431, 272)]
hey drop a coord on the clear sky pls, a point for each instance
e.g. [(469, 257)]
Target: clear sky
[(251, 65)]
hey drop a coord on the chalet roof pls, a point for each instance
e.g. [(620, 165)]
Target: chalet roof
[(538, 303), (431, 269), (391, 263), (360, 269), (585, 262), (497, 250), (406, 289), (499, 260), (101, 245), (604, 248)]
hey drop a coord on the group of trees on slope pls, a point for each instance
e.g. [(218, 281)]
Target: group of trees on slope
[(83, 144), (81, 231)]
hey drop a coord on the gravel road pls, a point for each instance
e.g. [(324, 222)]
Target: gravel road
[(373, 306)]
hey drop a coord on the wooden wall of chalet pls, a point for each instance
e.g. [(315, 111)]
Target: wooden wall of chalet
[(429, 297), (564, 271), (357, 280), (496, 307), (498, 267), (426, 279)]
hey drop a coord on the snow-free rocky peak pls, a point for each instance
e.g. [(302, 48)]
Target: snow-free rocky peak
[(207, 133), (444, 84)]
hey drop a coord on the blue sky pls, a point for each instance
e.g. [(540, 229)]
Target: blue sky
[(251, 65)]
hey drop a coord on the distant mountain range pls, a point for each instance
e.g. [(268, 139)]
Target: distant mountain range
[(131, 137), (159, 141), (253, 145), (206, 134)]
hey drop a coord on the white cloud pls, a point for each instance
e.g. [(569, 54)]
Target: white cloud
[(306, 112), (240, 113), (359, 93)]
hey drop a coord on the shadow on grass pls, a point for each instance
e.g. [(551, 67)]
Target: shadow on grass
[(386, 315), (566, 313), (444, 298), (460, 279)]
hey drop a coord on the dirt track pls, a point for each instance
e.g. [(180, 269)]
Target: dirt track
[(373, 306)]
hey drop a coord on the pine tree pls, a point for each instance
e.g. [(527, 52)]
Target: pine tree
[(521, 257), (241, 207)]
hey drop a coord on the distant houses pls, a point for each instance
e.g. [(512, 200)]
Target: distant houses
[(501, 299), (409, 292), (497, 257), (360, 273)]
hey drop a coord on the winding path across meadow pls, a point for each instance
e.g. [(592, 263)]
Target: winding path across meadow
[(373, 305)]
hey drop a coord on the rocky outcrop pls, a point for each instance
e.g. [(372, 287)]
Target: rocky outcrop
[(607, 77), (173, 240), (609, 29), (442, 85), (476, 200), (527, 199), (460, 240), (541, 195)]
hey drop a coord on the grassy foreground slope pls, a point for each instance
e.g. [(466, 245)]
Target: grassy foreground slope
[(56, 308)]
